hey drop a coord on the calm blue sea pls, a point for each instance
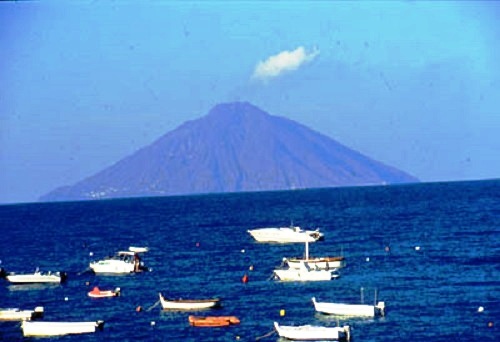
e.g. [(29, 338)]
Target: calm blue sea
[(199, 247)]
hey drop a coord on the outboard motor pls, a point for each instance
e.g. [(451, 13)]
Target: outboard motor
[(64, 276), (143, 267), (38, 312), (99, 325), (3, 274)]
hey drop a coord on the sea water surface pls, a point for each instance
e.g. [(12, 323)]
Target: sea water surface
[(430, 251)]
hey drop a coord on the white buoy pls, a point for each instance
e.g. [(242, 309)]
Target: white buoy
[(480, 309), (417, 248), (66, 299), (367, 259), (91, 253), (242, 251), (153, 323)]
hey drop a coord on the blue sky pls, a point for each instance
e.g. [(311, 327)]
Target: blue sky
[(415, 85)]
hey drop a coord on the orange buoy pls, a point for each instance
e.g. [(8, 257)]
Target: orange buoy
[(138, 309), (244, 279)]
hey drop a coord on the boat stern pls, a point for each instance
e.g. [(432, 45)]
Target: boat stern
[(99, 325), (64, 276), (346, 333), (38, 312), (380, 307)]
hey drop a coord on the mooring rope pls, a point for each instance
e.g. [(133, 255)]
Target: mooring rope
[(82, 272), (153, 306), (265, 335)]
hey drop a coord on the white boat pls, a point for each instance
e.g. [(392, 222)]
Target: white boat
[(121, 262), (42, 328), (16, 314), (285, 235), (313, 333), (36, 278), (362, 310), (98, 293), (189, 304), (304, 273), (323, 263)]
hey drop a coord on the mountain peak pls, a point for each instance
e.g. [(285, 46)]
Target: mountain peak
[(239, 109)]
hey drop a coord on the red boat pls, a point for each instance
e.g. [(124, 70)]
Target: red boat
[(98, 293), (213, 321)]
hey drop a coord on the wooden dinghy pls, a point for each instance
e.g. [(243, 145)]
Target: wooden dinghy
[(213, 321), (322, 263), (189, 304), (98, 293), (16, 314)]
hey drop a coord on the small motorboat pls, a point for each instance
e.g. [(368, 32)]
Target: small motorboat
[(213, 321), (43, 328), (291, 234), (189, 304), (313, 333), (36, 278), (304, 273), (342, 309), (98, 293), (122, 262), (16, 314)]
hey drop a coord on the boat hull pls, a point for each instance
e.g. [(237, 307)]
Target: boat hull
[(313, 333), (299, 275), (36, 278), (189, 304), (213, 321), (304, 273), (16, 314), (341, 309), (96, 293), (59, 328), (112, 266), (285, 235)]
